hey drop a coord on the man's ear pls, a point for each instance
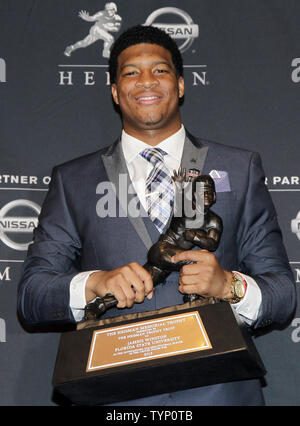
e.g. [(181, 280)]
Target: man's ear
[(114, 92), (181, 87)]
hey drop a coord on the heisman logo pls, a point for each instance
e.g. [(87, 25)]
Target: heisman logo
[(184, 31), (187, 31), (106, 21), (295, 225), (16, 224)]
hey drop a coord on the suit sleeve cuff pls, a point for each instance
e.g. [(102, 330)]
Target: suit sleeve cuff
[(77, 294)]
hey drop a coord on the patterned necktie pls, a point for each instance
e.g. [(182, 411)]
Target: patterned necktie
[(159, 188)]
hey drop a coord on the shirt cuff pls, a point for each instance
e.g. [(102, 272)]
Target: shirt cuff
[(77, 294), (248, 307)]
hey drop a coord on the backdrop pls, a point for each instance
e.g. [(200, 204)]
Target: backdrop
[(242, 74)]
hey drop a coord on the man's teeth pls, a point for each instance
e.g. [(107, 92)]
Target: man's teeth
[(147, 98)]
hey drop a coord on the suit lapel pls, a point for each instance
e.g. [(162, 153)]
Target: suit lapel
[(194, 154), (116, 169)]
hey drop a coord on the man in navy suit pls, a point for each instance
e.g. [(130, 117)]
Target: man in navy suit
[(79, 253)]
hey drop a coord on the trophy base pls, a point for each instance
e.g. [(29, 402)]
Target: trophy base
[(138, 355)]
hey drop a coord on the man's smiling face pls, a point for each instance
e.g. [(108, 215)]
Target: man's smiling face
[(147, 90)]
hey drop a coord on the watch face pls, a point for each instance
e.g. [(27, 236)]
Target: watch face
[(239, 289)]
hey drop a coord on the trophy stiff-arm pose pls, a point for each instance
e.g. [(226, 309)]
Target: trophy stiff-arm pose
[(194, 225), (203, 229)]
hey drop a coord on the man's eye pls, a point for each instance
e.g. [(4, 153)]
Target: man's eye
[(161, 71), (129, 73)]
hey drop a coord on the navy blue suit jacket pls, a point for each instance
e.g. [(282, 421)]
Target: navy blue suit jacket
[(71, 238)]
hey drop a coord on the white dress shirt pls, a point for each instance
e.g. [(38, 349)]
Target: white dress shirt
[(138, 170)]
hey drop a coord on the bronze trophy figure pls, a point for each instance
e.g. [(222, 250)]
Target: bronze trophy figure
[(203, 229), (192, 224)]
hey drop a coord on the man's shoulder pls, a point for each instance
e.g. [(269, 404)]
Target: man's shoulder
[(217, 146), (225, 151)]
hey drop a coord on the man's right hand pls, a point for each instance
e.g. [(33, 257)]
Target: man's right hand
[(129, 284)]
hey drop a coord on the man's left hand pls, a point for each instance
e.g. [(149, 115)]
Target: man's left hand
[(205, 277)]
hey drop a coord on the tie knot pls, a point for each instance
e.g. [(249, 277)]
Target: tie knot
[(153, 155)]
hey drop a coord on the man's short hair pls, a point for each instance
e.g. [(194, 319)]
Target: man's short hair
[(143, 34)]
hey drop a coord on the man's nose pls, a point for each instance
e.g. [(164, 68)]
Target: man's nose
[(147, 80)]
